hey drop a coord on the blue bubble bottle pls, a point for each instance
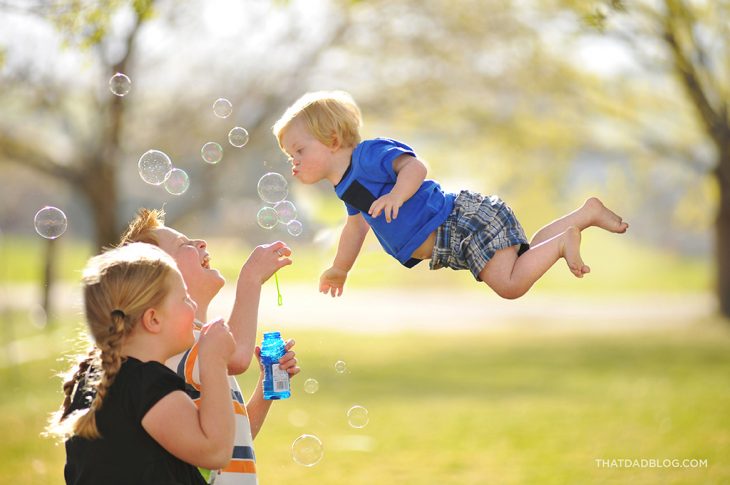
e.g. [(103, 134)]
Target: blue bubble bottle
[(276, 380)]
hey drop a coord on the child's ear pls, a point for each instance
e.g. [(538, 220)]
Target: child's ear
[(150, 321), (335, 143)]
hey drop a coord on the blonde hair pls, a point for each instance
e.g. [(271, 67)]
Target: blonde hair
[(118, 286), (330, 116), (141, 228)]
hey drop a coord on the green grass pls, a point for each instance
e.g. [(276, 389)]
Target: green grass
[(22, 258), (475, 408), (619, 265)]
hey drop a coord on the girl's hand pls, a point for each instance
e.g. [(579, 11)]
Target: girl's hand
[(265, 260), (288, 362), (332, 281), (216, 341)]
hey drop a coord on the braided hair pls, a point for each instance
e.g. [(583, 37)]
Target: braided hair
[(119, 286)]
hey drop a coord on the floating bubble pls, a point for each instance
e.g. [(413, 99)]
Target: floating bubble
[(272, 187), (266, 217), (285, 211), (212, 152), (340, 367), (238, 137), (178, 182), (50, 222), (120, 84), (222, 108), (357, 416), (154, 167), (311, 386), (307, 450), (294, 227)]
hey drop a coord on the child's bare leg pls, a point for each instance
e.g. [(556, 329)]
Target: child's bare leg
[(510, 277), (591, 213)]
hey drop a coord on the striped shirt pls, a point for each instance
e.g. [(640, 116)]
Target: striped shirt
[(242, 468)]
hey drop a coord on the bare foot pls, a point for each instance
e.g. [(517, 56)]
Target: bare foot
[(603, 217), (570, 250)]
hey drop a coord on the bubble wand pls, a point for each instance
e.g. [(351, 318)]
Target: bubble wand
[(276, 280), (278, 291)]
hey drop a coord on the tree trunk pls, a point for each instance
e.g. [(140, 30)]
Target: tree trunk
[(101, 193), (49, 277), (722, 231)]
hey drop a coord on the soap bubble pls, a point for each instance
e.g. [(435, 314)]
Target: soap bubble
[(266, 217), (154, 167), (272, 187), (238, 137), (357, 416), (307, 450), (178, 181), (294, 228), (50, 222), (212, 152), (340, 367), (285, 211), (222, 108), (120, 84), (311, 386)]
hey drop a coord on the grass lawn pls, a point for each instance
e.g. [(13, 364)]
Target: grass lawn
[(457, 409), (642, 268)]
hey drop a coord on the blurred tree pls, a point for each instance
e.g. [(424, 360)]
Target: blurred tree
[(90, 164), (688, 41), (88, 133), (474, 87)]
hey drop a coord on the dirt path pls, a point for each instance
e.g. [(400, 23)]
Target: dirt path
[(436, 310)]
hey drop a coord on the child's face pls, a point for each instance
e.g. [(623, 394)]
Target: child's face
[(193, 261), (311, 159), (177, 312)]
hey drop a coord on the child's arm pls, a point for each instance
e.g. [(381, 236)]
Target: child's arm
[(200, 436), (261, 264), (258, 407), (351, 239), (411, 174)]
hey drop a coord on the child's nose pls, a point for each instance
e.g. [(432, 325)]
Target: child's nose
[(201, 244)]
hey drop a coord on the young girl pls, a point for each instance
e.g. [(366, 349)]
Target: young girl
[(384, 187), (204, 282), (126, 416)]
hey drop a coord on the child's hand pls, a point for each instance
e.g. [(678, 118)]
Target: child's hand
[(216, 341), (389, 204), (288, 362), (265, 260), (332, 281)]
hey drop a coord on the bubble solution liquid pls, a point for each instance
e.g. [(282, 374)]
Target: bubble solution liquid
[(276, 380)]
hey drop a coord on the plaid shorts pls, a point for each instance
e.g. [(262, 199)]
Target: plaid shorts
[(477, 227)]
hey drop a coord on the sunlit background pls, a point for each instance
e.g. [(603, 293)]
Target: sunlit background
[(543, 102)]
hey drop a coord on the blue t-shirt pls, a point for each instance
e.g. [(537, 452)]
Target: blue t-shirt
[(370, 176)]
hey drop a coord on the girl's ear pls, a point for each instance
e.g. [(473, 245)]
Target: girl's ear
[(150, 321)]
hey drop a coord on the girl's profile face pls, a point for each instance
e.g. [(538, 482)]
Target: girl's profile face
[(177, 312)]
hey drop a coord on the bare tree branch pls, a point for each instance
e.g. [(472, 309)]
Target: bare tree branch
[(14, 149), (688, 73)]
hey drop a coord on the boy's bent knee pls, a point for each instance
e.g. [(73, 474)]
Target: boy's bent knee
[(509, 292)]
